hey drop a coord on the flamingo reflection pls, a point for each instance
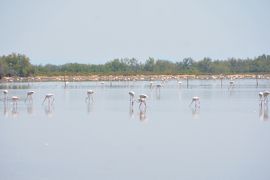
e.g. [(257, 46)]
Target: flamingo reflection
[(48, 109), (30, 108), (195, 112), (263, 112), (142, 115)]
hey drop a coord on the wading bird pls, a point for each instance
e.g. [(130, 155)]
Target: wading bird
[(14, 100), (5, 92), (196, 101), (89, 96), (151, 84), (231, 84), (179, 83), (131, 97), (29, 96), (142, 100), (49, 98)]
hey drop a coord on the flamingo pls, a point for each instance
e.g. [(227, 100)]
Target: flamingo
[(196, 100), (29, 96), (89, 95), (151, 84), (231, 84), (15, 100), (131, 95), (159, 86), (5, 92), (49, 97), (142, 100), (179, 83)]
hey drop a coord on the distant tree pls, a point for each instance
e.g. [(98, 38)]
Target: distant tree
[(205, 65), (149, 65)]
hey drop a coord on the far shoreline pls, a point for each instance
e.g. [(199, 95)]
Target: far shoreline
[(78, 78)]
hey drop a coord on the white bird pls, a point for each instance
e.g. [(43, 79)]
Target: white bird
[(143, 96), (231, 84), (89, 95), (15, 100), (159, 86), (196, 101), (265, 96), (151, 84), (131, 95), (261, 95), (29, 96), (142, 100), (5, 92), (49, 97)]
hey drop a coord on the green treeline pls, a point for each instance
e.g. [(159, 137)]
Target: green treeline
[(19, 65)]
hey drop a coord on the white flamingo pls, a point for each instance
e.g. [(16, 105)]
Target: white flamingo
[(29, 96), (131, 97), (151, 84), (89, 95), (231, 84), (15, 100), (179, 83), (196, 101), (50, 98), (142, 100), (5, 92)]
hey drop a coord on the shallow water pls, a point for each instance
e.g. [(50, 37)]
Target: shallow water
[(227, 137)]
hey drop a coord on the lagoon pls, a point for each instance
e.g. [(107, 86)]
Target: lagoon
[(227, 137)]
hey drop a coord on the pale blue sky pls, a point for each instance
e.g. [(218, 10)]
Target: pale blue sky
[(95, 31)]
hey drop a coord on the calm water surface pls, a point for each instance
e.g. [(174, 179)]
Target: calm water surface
[(226, 138)]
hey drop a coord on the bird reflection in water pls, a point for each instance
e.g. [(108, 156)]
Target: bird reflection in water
[(158, 87), (131, 112), (5, 108), (14, 111), (195, 112), (263, 112), (90, 106), (30, 108), (48, 109), (263, 99), (142, 116)]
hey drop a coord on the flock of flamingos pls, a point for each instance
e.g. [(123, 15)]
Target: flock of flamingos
[(263, 97)]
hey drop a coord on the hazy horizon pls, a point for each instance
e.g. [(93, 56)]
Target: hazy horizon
[(95, 32)]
